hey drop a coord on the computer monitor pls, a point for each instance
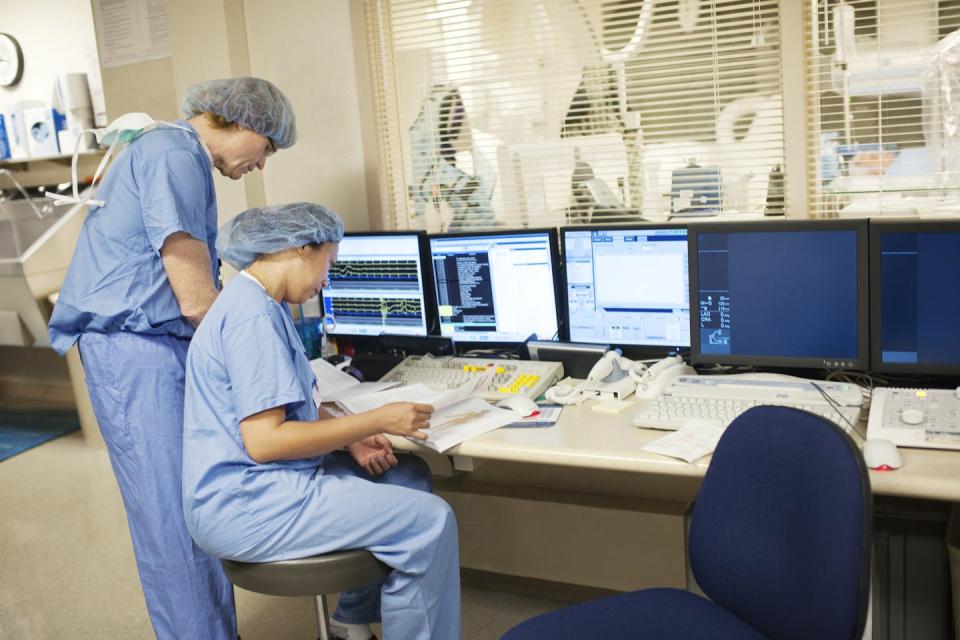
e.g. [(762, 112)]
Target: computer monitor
[(377, 286), (496, 287), (627, 286), (780, 294), (914, 276)]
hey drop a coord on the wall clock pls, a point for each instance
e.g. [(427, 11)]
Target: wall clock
[(11, 60)]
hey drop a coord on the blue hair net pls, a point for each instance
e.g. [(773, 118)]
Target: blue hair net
[(271, 229), (252, 103)]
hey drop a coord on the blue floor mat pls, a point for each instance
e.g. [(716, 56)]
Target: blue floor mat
[(22, 430)]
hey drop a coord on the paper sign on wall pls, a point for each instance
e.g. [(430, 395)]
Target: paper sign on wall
[(131, 31)]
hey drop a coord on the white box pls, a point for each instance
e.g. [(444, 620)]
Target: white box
[(41, 131)]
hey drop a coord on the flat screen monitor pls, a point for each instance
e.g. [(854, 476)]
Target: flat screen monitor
[(377, 286), (627, 286), (914, 276), (496, 287), (780, 294)]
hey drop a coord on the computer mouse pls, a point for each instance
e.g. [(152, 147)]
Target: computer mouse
[(911, 416), (881, 455), (520, 404)]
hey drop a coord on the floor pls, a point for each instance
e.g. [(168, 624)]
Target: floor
[(68, 569)]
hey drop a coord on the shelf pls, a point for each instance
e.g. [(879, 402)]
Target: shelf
[(58, 159)]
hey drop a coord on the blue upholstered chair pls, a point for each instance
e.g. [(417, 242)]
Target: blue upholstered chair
[(779, 541)]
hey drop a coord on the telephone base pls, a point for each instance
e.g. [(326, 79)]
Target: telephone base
[(617, 390)]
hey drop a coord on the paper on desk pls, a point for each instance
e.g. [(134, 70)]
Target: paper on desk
[(334, 384), (695, 439), (466, 419), (413, 393), (545, 416)]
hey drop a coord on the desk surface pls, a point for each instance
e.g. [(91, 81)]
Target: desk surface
[(586, 439)]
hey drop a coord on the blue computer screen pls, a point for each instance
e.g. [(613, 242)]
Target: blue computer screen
[(628, 286), (787, 294), (495, 288), (919, 307), (375, 287)]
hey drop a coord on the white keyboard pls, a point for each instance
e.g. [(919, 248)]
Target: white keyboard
[(928, 418), (724, 398), (528, 377)]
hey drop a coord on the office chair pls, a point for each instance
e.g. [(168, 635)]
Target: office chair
[(779, 541)]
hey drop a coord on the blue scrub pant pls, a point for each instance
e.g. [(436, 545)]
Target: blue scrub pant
[(136, 388), (394, 517)]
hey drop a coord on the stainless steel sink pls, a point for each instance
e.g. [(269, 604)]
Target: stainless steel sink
[(34, 255)]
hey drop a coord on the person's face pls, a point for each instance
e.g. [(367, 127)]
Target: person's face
[(241, 152), (312, 276)]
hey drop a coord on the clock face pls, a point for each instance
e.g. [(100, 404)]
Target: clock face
[(11, 60)]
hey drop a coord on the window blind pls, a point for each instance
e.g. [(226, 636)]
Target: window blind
[(883, 107), (530, 113)]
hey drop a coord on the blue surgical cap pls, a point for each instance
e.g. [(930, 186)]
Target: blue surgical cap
[(252, 103), (271, 229)]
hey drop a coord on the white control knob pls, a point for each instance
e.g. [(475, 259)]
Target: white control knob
[(911, 416)]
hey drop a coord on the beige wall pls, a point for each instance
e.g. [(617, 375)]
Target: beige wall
[(307, 48)]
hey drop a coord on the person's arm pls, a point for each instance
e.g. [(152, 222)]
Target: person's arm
[(268, 437), (187, 263)]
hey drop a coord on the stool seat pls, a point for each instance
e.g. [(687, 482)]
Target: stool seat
[(334, 572)]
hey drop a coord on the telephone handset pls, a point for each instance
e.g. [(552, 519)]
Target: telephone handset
[(618, 377)]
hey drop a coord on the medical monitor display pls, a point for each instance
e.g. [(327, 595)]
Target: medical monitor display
[(915, 268), (780, 294), (627, 285), (376, 286), (496, 287)]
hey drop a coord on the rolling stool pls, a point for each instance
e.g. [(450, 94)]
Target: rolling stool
[(315, 576)]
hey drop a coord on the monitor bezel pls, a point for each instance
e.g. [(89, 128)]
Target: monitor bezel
[(638, 350), (903, 225), (860, 362), (555, 263), (426, 279)]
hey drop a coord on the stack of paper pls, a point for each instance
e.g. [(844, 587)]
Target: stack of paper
[(457, 414)]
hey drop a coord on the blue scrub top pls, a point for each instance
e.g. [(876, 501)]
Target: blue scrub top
[(160, 184), (246, 357)]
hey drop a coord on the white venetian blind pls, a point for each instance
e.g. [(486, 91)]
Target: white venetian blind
[(551, 112), (883, 100)]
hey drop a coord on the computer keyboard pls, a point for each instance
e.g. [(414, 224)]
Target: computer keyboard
[(724, 398), (529, 377), (927, 418)]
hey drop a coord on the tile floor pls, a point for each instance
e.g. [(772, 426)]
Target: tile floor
[(67, 570)]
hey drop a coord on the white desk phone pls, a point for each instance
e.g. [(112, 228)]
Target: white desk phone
[(615, 377)]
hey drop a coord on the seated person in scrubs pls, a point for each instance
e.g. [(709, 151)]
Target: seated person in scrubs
[(268, 476)]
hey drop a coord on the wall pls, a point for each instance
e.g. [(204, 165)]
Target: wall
[(307, 48), (55, 36)]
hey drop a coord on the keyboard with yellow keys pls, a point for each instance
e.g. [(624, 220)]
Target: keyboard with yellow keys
[(528, 377)]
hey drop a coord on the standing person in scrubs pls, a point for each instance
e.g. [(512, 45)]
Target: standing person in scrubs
[(265, 474), (143, 275)]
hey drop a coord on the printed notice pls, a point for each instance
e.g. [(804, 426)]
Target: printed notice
[(131, 31)]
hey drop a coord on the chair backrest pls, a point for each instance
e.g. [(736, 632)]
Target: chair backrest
[(781, 531)]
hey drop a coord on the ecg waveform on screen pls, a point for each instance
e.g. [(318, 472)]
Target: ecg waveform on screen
[(383, 270), (384, 309)]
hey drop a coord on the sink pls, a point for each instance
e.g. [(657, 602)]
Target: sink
[(34, 256)]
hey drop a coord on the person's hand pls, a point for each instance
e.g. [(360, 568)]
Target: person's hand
[(405, 419), (374, 454)]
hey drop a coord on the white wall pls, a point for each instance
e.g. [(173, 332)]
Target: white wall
[(56, 37)]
